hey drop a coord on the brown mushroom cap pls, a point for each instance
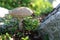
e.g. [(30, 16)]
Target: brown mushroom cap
[(21, 12)]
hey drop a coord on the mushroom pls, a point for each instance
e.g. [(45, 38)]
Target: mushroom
[(20, 13)]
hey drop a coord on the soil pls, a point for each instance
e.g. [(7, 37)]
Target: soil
[(33, 35)]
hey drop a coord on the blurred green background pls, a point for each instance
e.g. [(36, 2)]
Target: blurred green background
[(38, 6)]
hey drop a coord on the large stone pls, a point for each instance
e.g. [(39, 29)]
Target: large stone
[(52, 26), (54, 2), (3, 12)]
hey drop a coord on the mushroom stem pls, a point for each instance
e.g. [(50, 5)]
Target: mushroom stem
[(20, 24)]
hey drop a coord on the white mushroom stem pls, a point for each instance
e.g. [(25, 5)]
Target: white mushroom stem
[(20, 24)]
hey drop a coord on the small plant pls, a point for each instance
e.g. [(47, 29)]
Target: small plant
[(0, 38), (10, 24), (46, 37), (25, 38), (8, 36), (30, 24), (5, 36), (10, 21), (19, 34)]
